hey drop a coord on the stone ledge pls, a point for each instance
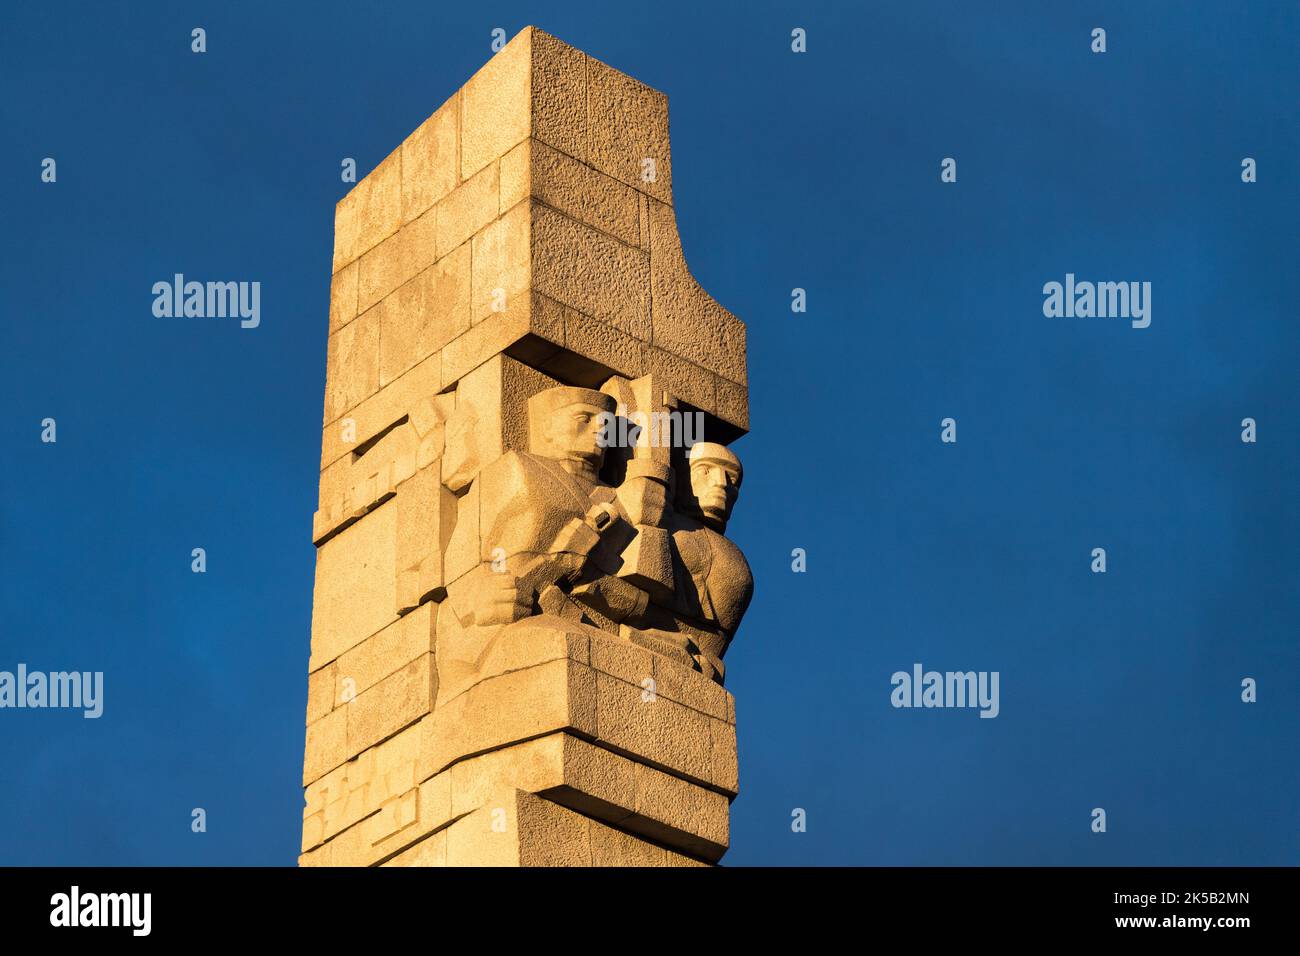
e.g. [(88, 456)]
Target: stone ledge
[(543, 675)]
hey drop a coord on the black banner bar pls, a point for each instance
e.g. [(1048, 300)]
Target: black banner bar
[(331, 906)]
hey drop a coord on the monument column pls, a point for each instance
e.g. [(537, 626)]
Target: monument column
[(520, 614)]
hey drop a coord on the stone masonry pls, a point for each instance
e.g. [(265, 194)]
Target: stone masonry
[(517, 639)]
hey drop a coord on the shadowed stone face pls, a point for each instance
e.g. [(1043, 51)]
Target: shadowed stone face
[(715, 481)]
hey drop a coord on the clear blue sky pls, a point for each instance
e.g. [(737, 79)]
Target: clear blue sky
[(820, 171)]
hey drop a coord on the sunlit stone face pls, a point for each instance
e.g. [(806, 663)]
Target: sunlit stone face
[(715, 480), (566, 425), (572, 434)]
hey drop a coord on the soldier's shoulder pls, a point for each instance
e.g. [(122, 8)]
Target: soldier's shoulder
[(513, 466)]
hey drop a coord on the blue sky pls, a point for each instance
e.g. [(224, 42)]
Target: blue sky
[(821, 171)]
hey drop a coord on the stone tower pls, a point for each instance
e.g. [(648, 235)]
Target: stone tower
[(523, 590)]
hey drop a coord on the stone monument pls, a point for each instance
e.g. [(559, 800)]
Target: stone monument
[(524, 592)]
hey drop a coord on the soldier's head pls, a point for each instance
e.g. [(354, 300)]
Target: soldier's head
[(715, 481), (564, 425)]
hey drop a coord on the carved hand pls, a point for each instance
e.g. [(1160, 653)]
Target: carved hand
[(502, 600)]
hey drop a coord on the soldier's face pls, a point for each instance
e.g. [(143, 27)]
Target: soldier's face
[(715, 485), (574, 431)]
